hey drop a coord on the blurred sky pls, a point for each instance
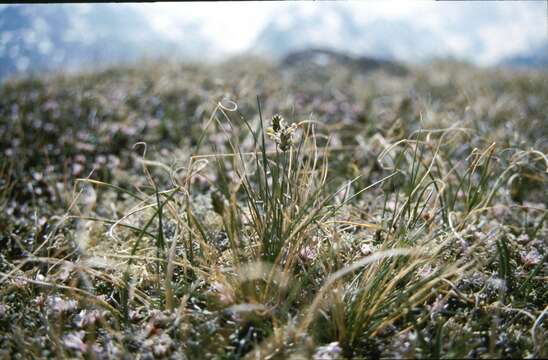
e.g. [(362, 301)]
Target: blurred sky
[(483, 32), (505, 27)]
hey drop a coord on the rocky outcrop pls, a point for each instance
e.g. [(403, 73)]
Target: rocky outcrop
[(318, 58)]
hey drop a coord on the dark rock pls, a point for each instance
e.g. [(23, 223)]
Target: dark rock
[(318, 58)]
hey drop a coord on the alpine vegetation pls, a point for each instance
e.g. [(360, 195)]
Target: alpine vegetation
[(245, 210)]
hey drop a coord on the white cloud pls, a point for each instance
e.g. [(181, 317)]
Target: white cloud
[(503, 28), (232, 26)]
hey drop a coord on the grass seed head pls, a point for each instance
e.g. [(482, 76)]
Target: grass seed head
[(278, 122), (281, 133)]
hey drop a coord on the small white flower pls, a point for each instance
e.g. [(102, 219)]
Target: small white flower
[(225, 294), (366, 249), (331, 351), (75, 341), (532, 258), (523, 239), (87, 317), (59, 305), (497, 283), (308, 253), (425, 271)]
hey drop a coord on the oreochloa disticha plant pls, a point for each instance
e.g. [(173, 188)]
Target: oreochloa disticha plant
[(281, 213)]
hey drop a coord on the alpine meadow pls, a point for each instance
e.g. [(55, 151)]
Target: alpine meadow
[(334, 208)]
